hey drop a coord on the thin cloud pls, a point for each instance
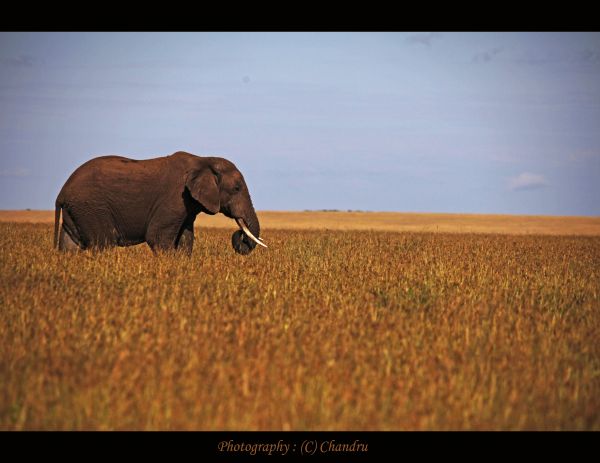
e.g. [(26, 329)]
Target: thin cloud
[(20, 61), (15, 172), (586, 56), (589, 56), (527, 181), (425, 38), (486, 56), (584, 155)]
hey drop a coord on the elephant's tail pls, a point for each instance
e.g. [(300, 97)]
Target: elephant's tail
[(57, 209)]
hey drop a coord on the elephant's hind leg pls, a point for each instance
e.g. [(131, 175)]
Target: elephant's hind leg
[(66, 243)]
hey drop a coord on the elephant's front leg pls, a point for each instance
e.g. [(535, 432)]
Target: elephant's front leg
[(163, 239), (171, 237), (185, 242)]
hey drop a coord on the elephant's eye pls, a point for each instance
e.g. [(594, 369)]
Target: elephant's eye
[(237, 188)]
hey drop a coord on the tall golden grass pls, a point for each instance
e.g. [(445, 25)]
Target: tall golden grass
[(383, 221), (324, 330)]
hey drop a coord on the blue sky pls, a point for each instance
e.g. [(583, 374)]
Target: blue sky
[(411, 121)]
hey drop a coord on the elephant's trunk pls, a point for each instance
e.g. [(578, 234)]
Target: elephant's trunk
[(248, 233), (247, 237)]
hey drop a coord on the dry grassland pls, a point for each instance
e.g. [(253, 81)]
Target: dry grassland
[(383, 221), (371, 330)]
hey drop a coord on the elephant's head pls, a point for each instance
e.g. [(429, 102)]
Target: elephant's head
[(218, 186)]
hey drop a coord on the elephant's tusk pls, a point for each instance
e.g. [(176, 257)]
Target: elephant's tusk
[(244, 228)]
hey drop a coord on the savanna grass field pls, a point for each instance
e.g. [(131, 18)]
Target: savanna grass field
[(348, 321)]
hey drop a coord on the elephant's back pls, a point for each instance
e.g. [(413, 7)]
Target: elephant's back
[(113, 173), (119, 165)]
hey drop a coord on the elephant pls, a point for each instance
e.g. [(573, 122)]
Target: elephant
[(116, 201)]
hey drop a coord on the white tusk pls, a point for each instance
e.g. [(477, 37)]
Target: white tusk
[(243, 226)]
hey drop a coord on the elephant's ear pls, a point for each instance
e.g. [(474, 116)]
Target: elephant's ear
[(204, 189)]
